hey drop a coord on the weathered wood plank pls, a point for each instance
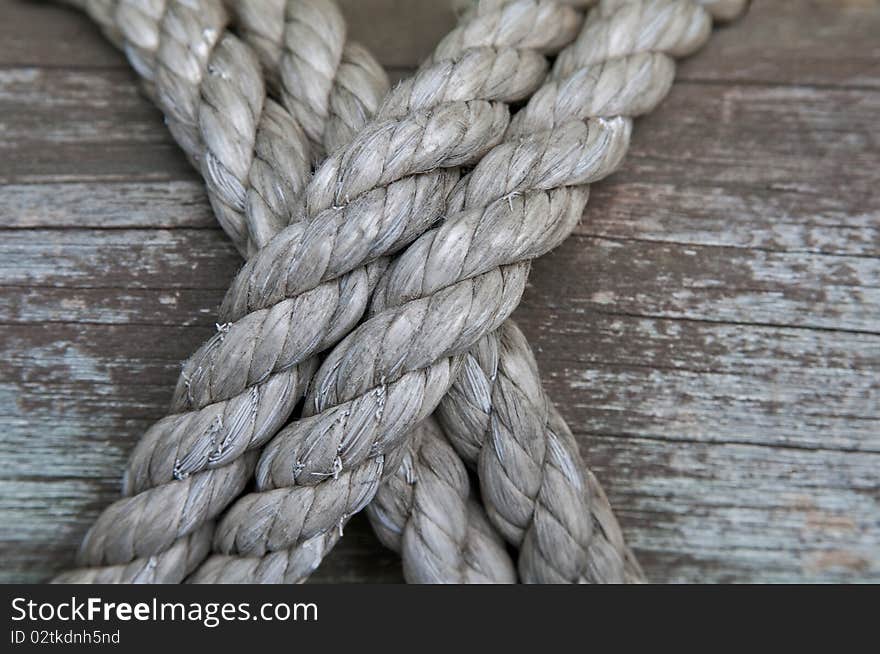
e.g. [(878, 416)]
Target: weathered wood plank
[(831, 43), (50, 35), (769, 168), (704, 511), (791, 202), (712, 332), (719, 284), (107, 205), (118, 258), (108, 305), (786, 138), (708, 382), (657, 279), (712, 212), (401, 33), (63, 125), (737, 513), (772, 47), (73, 400)]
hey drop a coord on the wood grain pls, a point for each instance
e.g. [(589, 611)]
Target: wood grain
[(711, 332)]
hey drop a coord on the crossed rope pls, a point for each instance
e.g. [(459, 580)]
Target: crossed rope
[(396, 267)]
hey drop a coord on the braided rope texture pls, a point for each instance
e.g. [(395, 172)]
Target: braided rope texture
[(447, 115), (253, 152), (426, 512), (333, 83), (535, 485), (496, 413), (188, 444), (213, 425), (441, 296), (348, 193)]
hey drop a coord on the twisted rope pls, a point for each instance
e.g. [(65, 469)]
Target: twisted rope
[(425, 512), (615, 69), (535, 486), (370, 199), (208, 85), (200, 441), (167, 566), (427, 104), (330, 84), (496, 413), (338, 90), (456, 284), (189, 466), (226, 329)]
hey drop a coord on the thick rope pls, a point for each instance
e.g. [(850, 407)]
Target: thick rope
[(208, 85), (188, 444), (478, 70), (170, 565), (458, 282), (337, 87), (221, 339), (534, 483), (211, 430), (426, 513), (498, 400), (613, 70), (528, 462), (423, 511), (372, 198), (331, 85)]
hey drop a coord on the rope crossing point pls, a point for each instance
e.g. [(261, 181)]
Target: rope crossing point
[(425, 319), (219, 433), (394, 181)]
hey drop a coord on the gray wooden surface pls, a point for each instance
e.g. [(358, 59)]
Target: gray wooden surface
[(711, 332)]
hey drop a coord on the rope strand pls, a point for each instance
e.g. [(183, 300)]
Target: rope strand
[(457, 283), (449, 115), (426, 512), (190, 465), (212, 431)]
